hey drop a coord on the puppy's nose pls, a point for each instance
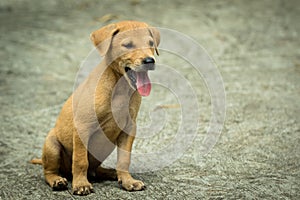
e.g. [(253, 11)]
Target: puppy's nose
[(148, 60)]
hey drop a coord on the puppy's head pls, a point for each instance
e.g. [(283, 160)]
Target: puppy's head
[(131, 46)]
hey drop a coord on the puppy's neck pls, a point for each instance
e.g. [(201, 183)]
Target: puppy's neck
[(120, 85), (113, 64)]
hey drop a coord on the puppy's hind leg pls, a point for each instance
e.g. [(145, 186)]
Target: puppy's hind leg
[(106, 174), (51, 162)]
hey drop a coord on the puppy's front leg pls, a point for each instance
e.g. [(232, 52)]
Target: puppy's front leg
[(80, 183), (124, 150)]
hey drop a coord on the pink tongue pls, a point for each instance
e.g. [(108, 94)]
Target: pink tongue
[(143, 83)]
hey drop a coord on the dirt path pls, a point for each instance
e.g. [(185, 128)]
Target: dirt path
[(255, 45)]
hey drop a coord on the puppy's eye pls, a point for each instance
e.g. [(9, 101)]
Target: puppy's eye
[(128, 45), (151, 43)]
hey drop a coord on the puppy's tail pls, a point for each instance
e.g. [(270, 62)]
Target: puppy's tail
[(36, 161)]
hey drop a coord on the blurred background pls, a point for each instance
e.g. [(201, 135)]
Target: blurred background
[(254, 44)]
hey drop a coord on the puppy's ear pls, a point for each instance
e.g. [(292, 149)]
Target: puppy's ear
[(156, 36), (102, 38)]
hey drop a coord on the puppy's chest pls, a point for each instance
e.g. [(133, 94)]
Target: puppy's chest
[(117, 116)]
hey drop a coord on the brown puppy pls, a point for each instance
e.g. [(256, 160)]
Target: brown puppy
[(101, 113)]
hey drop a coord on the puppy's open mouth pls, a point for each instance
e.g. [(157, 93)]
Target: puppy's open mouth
[(139, 80)]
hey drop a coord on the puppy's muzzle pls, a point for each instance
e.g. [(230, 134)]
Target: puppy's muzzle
[(148, 63), (138, 76)]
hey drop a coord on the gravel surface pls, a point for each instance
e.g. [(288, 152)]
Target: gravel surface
[(255, 45)]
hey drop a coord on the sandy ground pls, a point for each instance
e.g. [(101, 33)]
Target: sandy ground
[(255, 45)]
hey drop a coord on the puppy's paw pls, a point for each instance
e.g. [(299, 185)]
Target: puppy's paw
[(60, 184), (83, 189), (132, 184)]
